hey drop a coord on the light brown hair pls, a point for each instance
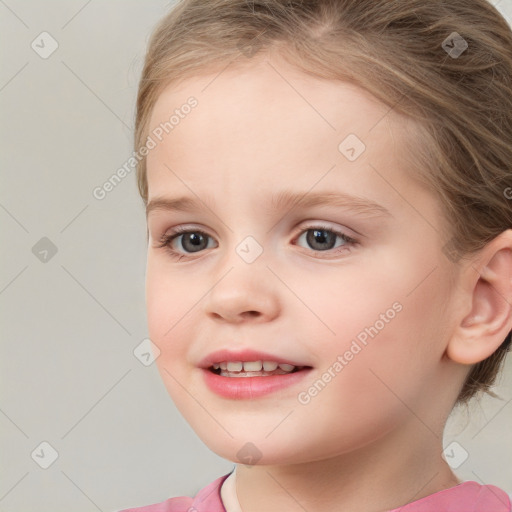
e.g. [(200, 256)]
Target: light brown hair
[(405, 53)]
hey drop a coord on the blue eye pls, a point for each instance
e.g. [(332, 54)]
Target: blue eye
[(319, 239)]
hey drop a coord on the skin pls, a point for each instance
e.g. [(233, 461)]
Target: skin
[(371, 440)]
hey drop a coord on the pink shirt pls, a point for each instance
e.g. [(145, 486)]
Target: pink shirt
[(466, 497)]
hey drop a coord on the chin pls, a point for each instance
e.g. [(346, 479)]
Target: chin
[(255, 453)]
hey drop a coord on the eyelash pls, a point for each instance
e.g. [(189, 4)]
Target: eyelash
[(167, 238)]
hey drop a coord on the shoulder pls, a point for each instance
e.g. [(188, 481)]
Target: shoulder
[(468, 496), (206, 500), (488, 497)]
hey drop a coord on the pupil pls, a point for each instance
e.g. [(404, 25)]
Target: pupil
[(317, 238), (195, 240)]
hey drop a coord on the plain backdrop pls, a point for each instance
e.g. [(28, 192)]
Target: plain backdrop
[(74, 395)]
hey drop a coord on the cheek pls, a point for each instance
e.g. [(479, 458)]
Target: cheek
[(170, 300), (170, 313), (382, 370), (382, 318), (359, 302)]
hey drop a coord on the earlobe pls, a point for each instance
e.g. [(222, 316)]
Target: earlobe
[(488, 287)]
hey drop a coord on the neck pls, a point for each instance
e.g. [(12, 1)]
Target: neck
[(381, 476)]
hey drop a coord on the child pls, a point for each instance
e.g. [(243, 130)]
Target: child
[(383, 131)]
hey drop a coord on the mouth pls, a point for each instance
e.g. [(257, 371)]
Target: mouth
[(250, 375), (247, 374), (259, 368)]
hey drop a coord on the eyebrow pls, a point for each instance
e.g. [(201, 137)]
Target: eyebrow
[(285, 200)]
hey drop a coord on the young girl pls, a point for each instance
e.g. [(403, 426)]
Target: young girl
[(328, 187)]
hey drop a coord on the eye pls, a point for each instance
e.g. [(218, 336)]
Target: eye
[(318, 238), (324, 238), (192, 240)]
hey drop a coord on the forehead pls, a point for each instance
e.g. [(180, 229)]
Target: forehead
[(269, 88), (264, 122)]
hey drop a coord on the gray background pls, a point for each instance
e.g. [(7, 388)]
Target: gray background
[(72, 320)]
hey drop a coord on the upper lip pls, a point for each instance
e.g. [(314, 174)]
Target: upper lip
[(244, 355)]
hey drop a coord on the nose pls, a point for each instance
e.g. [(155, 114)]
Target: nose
[(246, 293)]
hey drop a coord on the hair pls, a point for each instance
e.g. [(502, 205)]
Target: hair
[(400, 52)]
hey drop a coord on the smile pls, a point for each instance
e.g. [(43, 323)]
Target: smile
[(247, 374), (234, 386), (253, 368)]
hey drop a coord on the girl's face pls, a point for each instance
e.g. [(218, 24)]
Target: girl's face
[(360, 295)]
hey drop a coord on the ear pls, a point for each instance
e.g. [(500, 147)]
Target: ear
[(486, 305)]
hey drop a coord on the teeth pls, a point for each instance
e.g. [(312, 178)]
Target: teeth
[(234, 366), (252, 366)]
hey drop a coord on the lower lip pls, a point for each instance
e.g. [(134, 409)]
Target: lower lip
[(251, 387)]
